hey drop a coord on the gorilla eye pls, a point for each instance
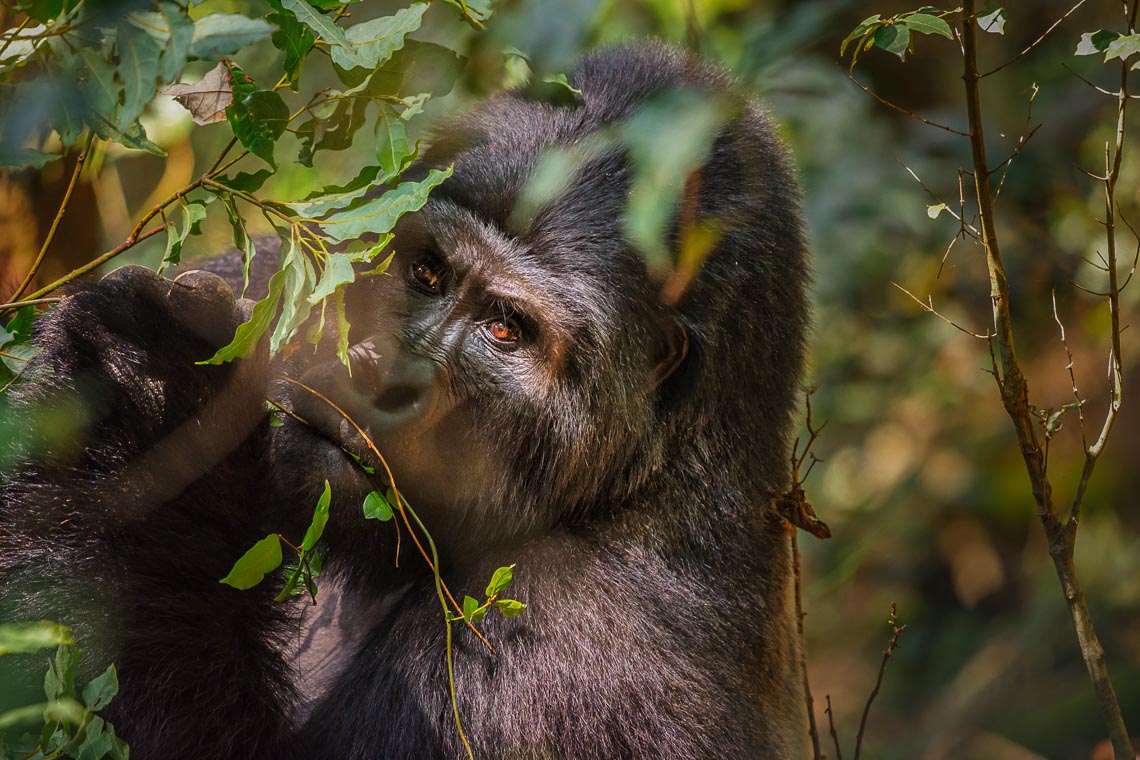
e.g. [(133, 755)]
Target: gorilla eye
[(505, 330), (427, 274)]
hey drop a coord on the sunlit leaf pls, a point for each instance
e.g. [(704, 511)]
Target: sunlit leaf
[(509, 607), (249, 332), (262, 558), (500, 580), (1095, 42), (376, 507), (380, 215), (993, 21), (865, 26), (374, 42), (17, 638), (320, 518)]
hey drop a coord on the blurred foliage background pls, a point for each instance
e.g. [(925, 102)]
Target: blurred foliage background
[(921, 480)]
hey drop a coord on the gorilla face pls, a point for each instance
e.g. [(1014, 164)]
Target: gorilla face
[(484, 369)]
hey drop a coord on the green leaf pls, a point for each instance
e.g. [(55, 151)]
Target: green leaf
[(373, 42), (338, 271), (392, 148), (245, 181), (993, 20), (323, 27), (927, 24), (470, 604), (379, 215), (221, 34), (293, 39), (320, 518), (295, 307), (865, 26), (262, 558), (249, 332), (179, 38), (894, 39), (935, 210), (59, 681), (257, 117), (138, 70), (376, 507), (342, 331), (99, 692), (97, 740), (20, 638), (290, 587), (500, 580), (1095, 42), (509, 607), (1122, 47)]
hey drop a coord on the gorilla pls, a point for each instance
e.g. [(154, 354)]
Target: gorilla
[(540, 405)]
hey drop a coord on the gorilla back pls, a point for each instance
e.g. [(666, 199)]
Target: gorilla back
[(539, 403)]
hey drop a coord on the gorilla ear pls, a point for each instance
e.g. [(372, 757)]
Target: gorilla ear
[(674, 349)]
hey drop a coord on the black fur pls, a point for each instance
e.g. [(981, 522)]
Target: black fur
[(659, 619)]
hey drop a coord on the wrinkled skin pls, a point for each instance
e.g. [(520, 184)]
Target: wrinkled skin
[(538, 404)]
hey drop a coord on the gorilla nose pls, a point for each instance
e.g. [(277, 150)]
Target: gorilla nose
[(399, 384)]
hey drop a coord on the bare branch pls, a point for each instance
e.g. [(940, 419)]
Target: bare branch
[(902, 110), (1035, 42), (831, 725), (892, 645), (929, 308)]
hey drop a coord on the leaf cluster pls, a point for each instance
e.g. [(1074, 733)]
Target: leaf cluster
[(70, 724)]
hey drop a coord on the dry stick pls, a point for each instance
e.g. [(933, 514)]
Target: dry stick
[(400, 502), (79, 161), (892, 645), (902, 110), (1015, 396), (813, 729), (433, 560), (831, 726), (1035, 42), (27, 302)]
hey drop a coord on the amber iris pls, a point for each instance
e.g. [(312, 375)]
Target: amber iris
[(506, 332)]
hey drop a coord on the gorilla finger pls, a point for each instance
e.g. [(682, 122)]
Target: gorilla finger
[(203, 303)]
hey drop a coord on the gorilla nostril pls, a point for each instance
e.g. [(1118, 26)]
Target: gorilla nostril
[(398, 398)]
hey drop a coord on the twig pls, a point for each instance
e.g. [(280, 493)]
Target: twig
[(79, 161), (28, 302), (831, 726), (813, 729), (928, 307), (902, 110), (892, 645), (1035, 42)]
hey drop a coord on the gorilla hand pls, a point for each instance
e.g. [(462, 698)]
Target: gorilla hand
[(127, 346)]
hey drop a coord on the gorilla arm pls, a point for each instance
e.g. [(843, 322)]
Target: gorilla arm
[(124, 533)]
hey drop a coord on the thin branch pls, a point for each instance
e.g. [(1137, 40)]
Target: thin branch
[(79, 162), (928, 307), (902, 110), (10, 306), (892, 645), (831, 727), (813, 729), (1072, 375), (1035, 42)]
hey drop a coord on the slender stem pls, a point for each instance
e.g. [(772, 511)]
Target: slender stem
[(1015, 398), (813, 729), (27, 302), (79, 161)]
